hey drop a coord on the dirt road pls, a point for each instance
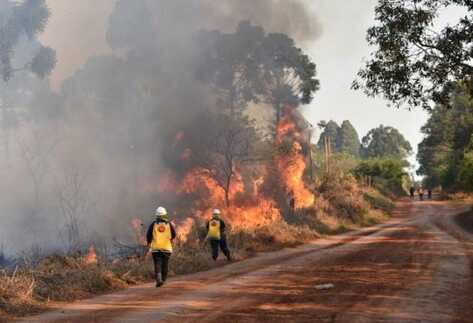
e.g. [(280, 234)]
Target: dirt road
[(416, 268)]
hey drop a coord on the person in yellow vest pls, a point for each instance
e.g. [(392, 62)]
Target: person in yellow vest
[(159, 237), (216, 235)]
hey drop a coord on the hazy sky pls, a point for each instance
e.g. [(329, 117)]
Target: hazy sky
[(338, 52)]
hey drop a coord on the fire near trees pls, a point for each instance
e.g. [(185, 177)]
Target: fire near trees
[(217, 151), (196, 115), (196, 105)]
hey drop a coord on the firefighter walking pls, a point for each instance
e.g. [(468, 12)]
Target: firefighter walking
[(159, 237), (216, 235)]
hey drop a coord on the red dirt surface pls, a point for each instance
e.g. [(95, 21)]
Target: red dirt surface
[(415, 268)]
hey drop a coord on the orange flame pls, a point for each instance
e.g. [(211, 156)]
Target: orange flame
[(91, 256), (257, 212), (184, 228), (248, 206), (292, 164)]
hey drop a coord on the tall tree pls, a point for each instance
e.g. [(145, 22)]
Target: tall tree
[(330, 131), (385, 142), (348, 140), (289, 75), (250, 65), (416, 59), (229, 63), (445, 153), (17, 20)]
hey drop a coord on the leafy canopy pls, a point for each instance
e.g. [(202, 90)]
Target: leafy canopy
[(385, 142), (445, 153), (415, 59), (343, 139), (252, 65)]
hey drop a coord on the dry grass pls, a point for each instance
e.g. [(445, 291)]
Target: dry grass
[(341, 206), (459, 197), (16, 293)]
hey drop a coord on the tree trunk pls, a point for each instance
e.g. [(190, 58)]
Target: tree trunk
[(227, 190)]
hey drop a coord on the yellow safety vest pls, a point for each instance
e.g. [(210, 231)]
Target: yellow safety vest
[(161, 237), (214, 230)]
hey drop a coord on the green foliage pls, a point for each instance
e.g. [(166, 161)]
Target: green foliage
[(388, 173), (445, 151), (250, 64), (385, 142), (343, 139), (25, 19), (348, 140), (416, 58), (288, 73), (230, 64), (379, 202), (465, 172), (330, 130)]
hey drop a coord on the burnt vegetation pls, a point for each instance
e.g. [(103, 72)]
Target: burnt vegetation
[(194, 114)]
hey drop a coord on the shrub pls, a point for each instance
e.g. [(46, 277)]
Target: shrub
[(389, 174), (378, 201)]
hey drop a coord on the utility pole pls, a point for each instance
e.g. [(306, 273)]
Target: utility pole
[(311, 130), (328, 153)]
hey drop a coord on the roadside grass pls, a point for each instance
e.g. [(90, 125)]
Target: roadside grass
[(465, 220), (458, 197), (379, 201)]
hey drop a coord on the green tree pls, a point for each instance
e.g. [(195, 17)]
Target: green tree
[(387, 173), (445, 151), (289, 75), (415, 59), (17, 20), (348, 140), (331, 131), (385, 142), (465, 172), (249, 65), (229, 64)]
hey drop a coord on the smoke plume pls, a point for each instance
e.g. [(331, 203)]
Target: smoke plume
[(89, 159)]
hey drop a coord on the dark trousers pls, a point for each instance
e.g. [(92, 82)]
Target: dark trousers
[(161, 263), (222, 244)]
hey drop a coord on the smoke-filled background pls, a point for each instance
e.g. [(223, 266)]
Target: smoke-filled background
[(84, 152)]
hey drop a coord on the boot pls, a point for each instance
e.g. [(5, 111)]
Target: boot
[(159, 280)]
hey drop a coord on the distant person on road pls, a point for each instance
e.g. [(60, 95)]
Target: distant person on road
[(216, 235), (429, 193), (159, 237), (412, 191), (421, 194)]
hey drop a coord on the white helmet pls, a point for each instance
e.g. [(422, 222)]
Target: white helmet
[(216, 212), (161, 211)]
